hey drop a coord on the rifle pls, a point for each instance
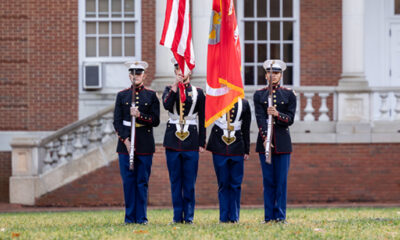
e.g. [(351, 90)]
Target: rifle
[(133, 125), (270, 120)]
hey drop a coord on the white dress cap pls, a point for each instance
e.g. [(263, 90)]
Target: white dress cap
[(277, 65), (137, 65)]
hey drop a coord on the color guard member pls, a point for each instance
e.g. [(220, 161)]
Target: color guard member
[(283, 112), (184, 137), (147, 114), (229, 143)]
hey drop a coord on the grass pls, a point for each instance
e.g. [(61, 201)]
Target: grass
[(315, 223)]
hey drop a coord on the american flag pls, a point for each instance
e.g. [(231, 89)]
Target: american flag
[(177, 32)]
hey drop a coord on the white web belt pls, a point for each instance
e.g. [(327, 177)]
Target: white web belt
[(190, 119), (126, 123), (222, 123)]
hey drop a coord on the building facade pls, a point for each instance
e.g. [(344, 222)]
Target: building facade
[(62, 65)]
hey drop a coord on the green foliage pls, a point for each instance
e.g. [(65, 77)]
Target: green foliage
[(313, 223)]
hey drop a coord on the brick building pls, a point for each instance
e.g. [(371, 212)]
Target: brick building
[(62, 65)]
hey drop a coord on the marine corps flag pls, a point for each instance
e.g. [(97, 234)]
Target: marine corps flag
[(224, 77), (177, 32)]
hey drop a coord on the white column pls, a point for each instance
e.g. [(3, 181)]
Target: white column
[(201, 13), (353, 44), (353, 102), (200, 16), (163, 54)]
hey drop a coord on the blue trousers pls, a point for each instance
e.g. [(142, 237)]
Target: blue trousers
[(135, 186), (275, 186), (182, 168), (229, 171)]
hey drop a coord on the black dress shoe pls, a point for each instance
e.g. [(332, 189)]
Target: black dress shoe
[(143, 223), (188, 222)]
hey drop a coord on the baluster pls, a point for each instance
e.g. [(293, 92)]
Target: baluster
[(78, 146), (297, 114), (99, 130), (397, 108), (63, 150), (93, 136), (47, 159), (108, 128), (384, 108), (324, 108), (56, 145), (70, 145), (309, 110), (85, 137)]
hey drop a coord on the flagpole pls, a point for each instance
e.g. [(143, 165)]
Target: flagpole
[(181, 120), (228, 120)]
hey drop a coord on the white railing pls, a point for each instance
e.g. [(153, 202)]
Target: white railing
[(316, 95), (385, 102), (74, 140), (41, 165), (307, 97)]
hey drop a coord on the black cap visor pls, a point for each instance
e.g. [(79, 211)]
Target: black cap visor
[(137, 71), (274, 70)]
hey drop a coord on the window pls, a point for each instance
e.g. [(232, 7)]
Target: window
[(269, 31), (111, 29), (397, 7)]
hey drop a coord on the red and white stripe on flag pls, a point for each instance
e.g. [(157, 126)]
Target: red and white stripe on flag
[(177, 32)]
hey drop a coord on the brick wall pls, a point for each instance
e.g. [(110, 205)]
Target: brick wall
[(5, 174), (149, 38), (99, 188), (320, 42), (345, 173), (319, 173), (38, 64), (13, 65)]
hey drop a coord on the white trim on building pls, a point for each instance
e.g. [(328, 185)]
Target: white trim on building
[(296, 37), (114, 73)]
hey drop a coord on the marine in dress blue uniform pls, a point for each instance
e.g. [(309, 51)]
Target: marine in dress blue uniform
[(283, 111), (229, 150), (147, 113), (182, 142)]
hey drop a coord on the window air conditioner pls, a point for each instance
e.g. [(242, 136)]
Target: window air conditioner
[(92, 76)]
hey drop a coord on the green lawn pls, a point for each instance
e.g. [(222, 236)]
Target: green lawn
[(321, 223)]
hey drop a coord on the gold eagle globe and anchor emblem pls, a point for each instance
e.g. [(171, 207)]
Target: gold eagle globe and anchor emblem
[(228, 140), (182, 135)]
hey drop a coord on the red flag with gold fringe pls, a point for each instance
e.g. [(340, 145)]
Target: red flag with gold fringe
[(224, 77)]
